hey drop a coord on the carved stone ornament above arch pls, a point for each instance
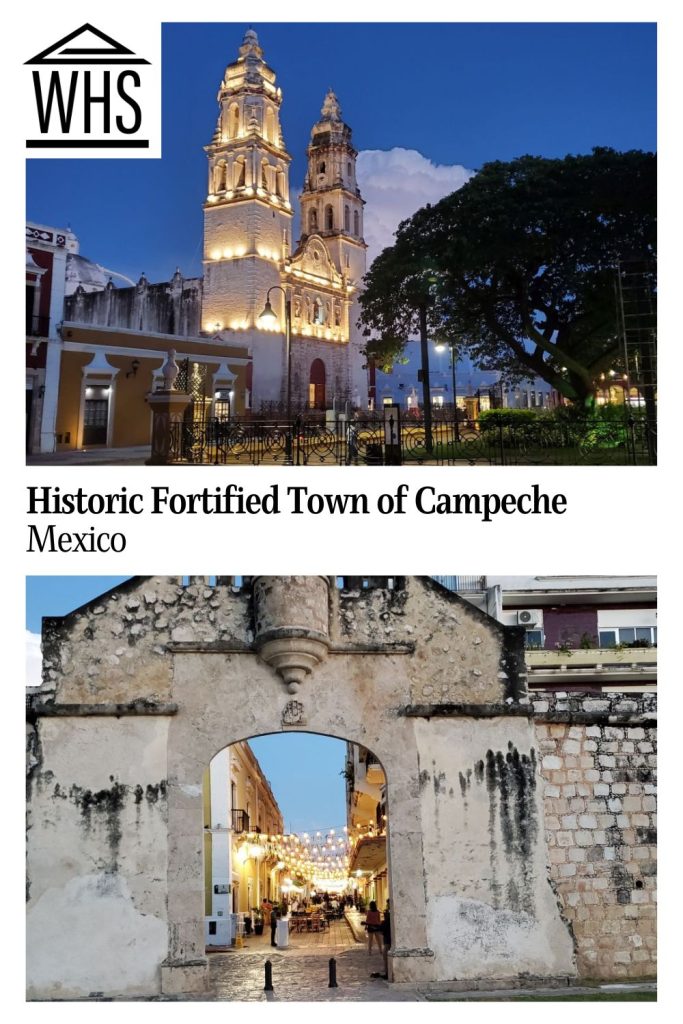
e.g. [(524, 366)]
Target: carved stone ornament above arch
[(314, 259)]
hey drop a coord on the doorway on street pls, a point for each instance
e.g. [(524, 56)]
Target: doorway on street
[(96, 414)]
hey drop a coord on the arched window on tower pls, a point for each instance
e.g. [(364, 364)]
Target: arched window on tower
[(312, 221), (321, 167), (349, 171), (347, 219), (219, 177), (234, 121), (240, 172), (280, 182), (356, 223), (329, 219), (270, 126)]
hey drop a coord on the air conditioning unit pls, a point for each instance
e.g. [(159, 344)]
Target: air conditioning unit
[(530, 617)]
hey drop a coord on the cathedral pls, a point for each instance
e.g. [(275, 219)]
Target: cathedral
[(306, 351), (248, 245)]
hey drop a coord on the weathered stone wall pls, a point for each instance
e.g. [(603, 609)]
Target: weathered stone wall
[(172, 307), (598, 764), (461, 654), (491, 913), (115, 648), (97, 829)]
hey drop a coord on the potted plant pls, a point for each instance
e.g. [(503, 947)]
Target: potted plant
[(258, 920)]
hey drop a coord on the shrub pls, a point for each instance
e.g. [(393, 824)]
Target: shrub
[(491, 419)]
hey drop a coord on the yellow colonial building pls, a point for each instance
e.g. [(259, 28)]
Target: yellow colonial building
[(366, 802), (107, 374), (240, 868)]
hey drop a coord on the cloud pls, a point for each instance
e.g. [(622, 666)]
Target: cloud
[(34, 659), (395, 183)]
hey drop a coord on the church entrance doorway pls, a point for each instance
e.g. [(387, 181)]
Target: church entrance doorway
[(316, 387)]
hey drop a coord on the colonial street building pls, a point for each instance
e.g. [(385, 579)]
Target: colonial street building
[(47, 253), (366, 812), (307, 354), (521, 826), (239, 872), (107, 374)]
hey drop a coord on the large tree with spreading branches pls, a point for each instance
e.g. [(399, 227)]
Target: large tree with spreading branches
[(519, 267)]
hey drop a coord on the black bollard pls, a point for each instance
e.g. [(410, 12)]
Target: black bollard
[(268, 987), (333, 973)]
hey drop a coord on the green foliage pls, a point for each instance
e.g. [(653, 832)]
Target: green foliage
[(491, 419), (518, 267)]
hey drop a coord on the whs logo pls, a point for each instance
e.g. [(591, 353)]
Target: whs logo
[(89, 93)]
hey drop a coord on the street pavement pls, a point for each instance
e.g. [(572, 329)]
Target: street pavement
[(301, 970), (300, 976)]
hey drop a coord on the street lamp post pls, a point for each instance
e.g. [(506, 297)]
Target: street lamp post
[(269, 314), (450, 345), (426, 388)]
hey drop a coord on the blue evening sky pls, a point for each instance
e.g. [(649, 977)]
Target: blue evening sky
[(303, 769), (458, 93)]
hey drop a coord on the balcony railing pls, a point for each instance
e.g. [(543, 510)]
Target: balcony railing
[(600, 665), (37, 326), (461, 584), (240, 821)]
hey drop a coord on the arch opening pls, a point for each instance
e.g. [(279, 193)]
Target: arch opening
[(295, 848)]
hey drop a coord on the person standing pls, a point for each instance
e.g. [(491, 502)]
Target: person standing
[(273, 925), (386, 938), (373, 923)]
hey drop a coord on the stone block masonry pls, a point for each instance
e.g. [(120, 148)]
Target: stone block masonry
[(598, 763)]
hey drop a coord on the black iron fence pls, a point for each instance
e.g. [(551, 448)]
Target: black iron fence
[(375, 442)]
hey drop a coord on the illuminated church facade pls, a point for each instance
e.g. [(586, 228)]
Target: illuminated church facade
[(248, 246)]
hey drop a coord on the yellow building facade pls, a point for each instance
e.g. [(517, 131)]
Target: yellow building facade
[(240, 868), (106, 375)]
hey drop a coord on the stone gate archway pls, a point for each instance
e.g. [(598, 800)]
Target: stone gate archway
[(145, 684)]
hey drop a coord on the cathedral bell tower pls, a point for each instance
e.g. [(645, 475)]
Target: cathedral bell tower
[(332, 215), (247, 213), (331, 203)]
